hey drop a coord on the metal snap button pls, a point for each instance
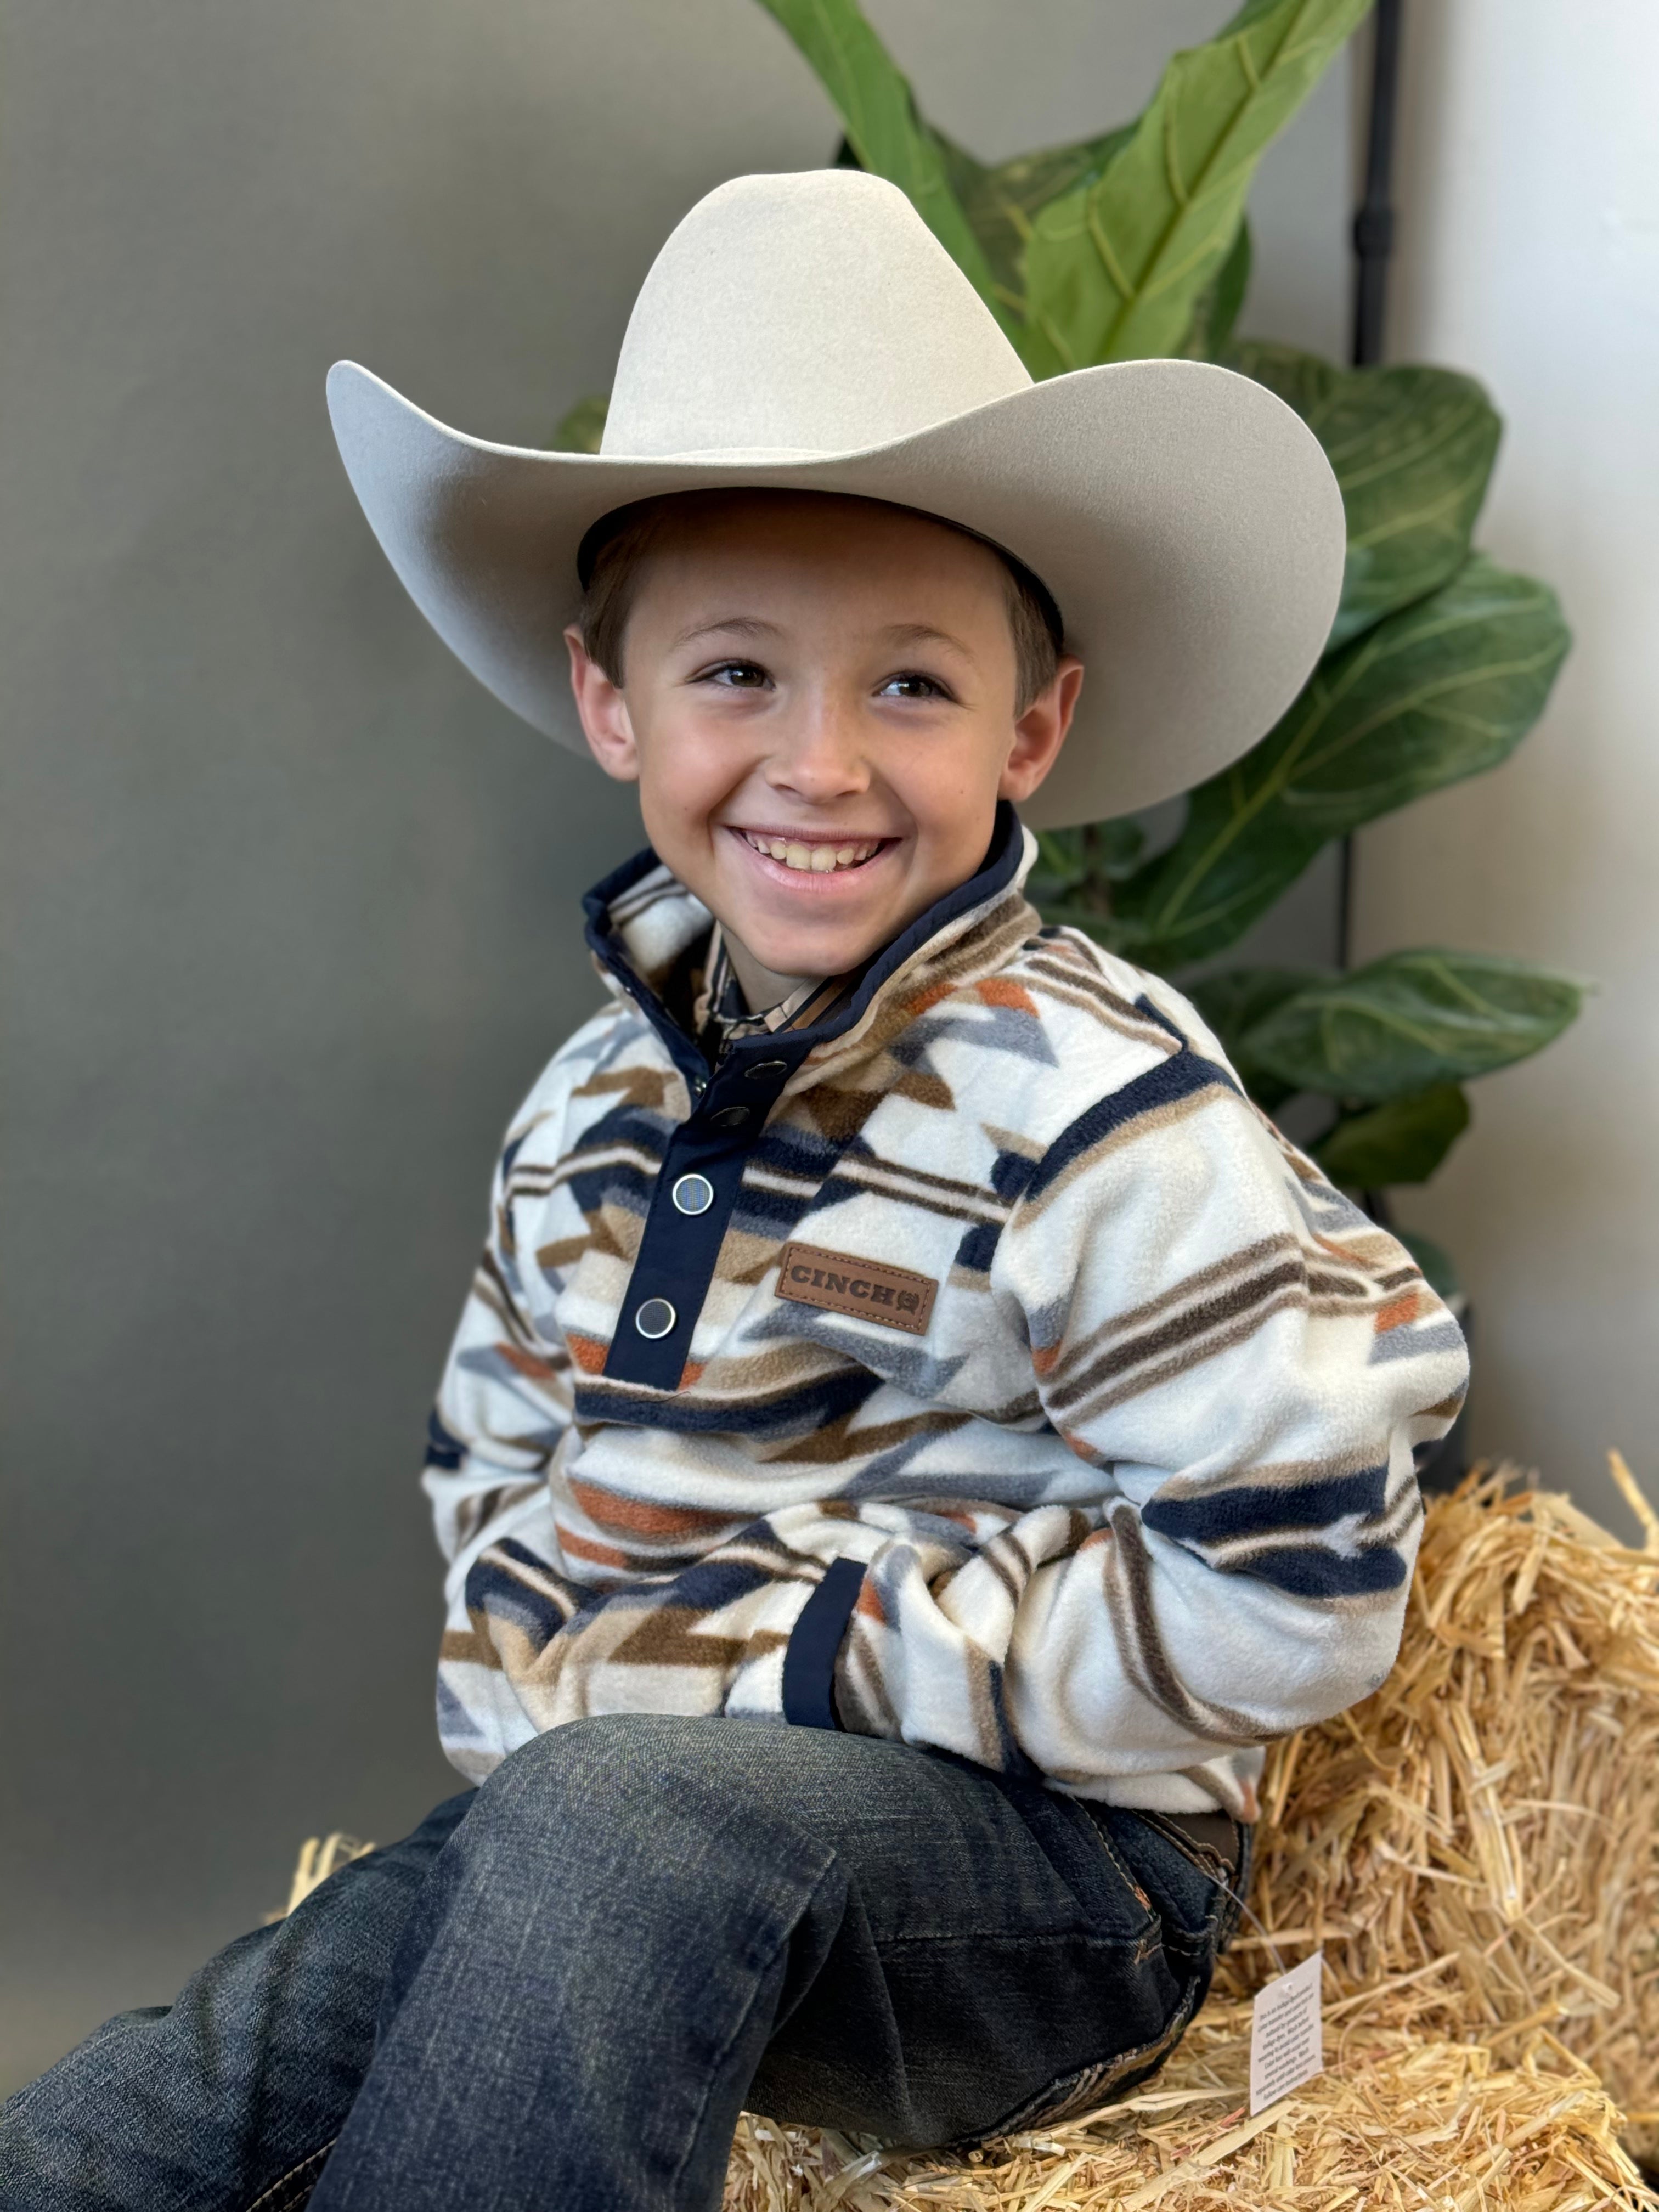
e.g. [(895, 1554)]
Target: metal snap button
[(730, 1117), (764, 1070), (655, 1318), (693, 1194)]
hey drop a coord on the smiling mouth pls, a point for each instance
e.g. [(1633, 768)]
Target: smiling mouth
[(815, 859)]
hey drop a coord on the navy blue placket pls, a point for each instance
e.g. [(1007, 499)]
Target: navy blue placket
[(680, 1248), (678, 1252)]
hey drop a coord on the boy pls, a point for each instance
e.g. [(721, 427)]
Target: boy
[(917, 1431)]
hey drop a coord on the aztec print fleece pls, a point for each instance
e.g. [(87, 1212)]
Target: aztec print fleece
[(1141, 1497)]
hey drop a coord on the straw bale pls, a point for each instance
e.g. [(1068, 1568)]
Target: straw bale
[(1488, 1824), (319, 1857), (1394, 2123)]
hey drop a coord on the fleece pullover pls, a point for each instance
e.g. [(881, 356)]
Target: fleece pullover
[(975, 1367)]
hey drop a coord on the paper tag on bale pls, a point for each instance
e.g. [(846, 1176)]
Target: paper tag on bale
[(1287, 2044)]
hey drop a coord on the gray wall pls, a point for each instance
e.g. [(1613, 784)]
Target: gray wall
[(292, 904)]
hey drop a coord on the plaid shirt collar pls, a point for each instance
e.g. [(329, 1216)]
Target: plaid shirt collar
[(721, 1014)]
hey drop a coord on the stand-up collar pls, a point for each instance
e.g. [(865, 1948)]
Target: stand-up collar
[(641, 921)]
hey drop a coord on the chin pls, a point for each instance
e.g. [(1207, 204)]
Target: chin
[(793, 955), (791, 950)]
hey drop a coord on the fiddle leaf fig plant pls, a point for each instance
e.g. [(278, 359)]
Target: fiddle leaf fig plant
[(1135, 243)]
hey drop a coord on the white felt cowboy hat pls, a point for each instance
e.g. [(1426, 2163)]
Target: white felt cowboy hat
[(808, 331)]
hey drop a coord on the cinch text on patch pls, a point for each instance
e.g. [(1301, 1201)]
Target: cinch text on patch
[(868, 1288)]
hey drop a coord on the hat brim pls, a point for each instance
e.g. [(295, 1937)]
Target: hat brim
[(1184, 518)]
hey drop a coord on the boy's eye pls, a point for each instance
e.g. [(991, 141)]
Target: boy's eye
[(738, 675), (911, 685)]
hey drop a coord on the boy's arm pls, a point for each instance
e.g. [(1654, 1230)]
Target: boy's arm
[(1251, 1365), (504, 1401)]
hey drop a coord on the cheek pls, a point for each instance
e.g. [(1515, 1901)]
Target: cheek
[(949, 789), (687, 770)]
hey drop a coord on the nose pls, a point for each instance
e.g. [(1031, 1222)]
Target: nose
[(821, 757)]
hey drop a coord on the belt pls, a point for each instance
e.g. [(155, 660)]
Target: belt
[(1217, 1836), (1217, 1833)]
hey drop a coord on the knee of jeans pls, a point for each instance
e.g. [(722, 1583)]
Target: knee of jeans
[(576, 1806), (574, 1774), (529, 1808), (622, 1773)]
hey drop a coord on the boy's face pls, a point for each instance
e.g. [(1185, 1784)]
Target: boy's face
[(819, 706)]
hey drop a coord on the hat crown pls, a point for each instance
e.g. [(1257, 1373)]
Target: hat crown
[(807, 313)]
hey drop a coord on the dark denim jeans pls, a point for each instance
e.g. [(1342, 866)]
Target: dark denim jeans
[(561, 1990)]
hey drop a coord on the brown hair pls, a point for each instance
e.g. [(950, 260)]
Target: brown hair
[(612, 555)]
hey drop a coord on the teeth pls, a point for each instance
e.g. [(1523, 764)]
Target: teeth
[(812, 859)]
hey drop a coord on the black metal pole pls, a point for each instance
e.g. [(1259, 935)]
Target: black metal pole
[(1373, 244), (1373, 222)]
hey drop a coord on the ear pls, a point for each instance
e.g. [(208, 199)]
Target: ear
[(1041, 732), (604, 713)]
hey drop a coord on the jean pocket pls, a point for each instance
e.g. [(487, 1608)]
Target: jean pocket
[(1105, 2081), (1225, 1874), (1197, 1895)]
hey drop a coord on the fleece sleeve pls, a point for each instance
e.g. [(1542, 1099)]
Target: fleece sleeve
[(505, 1400), (1252, 1367)]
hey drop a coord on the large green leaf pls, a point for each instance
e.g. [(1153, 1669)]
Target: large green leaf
[(1412, 449), (1441, 691), (1403, 1141), (1412, 1020), (878, 110), (1218, 307), (1233, 1003), (1002, 202), (1113, 266)]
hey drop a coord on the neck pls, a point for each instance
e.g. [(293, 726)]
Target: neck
[(761, 985)]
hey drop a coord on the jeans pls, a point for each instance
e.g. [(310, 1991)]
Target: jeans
[(563, 1989)]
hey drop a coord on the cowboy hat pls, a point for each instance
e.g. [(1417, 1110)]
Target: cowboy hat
[(808, 332)]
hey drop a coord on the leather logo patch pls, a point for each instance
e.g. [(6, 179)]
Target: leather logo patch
[(868, 1288)]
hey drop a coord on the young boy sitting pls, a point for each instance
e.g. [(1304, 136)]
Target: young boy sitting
[(917, 1431)]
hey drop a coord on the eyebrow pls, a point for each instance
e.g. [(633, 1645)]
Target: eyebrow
[(927, 634), (744, 625)]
